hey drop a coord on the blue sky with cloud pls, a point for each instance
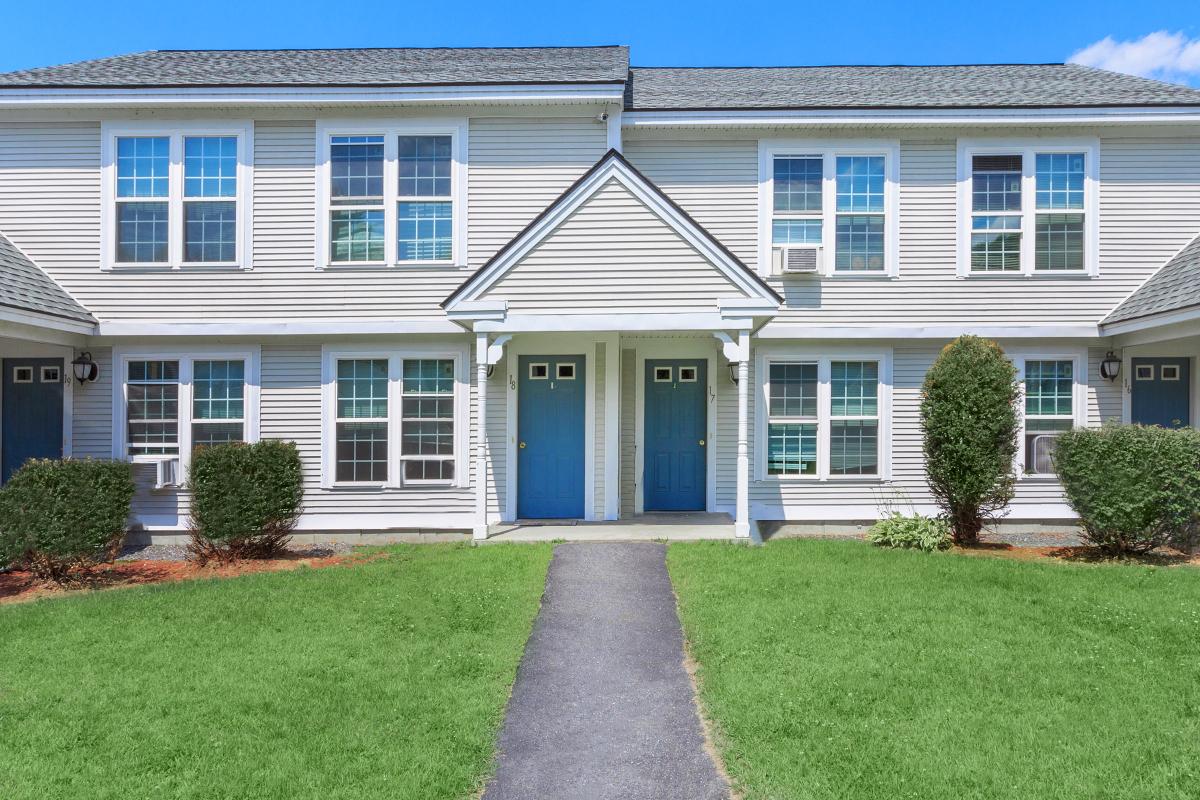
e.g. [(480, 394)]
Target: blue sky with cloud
[(1159, 38)]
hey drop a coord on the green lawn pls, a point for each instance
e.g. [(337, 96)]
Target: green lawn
[(386, 679), (832, 669)]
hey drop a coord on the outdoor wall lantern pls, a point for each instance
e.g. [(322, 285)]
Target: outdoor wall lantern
[(1110, 367), (86, 370), (733, 372)]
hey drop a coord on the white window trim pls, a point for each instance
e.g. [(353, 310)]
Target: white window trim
[(829, 151), (395, 358), (1078, 400), (186, 357), (176, 131), (1028, 148), (822, 357), (391, 130)]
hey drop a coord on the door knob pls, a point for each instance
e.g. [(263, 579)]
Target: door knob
[(521, 445), (702, 443)]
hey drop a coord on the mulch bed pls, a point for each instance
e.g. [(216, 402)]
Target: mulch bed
[(19, 586), (1164, 557)]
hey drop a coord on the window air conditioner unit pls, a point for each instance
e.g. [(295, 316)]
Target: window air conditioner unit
[(167, 474), (798, 259)]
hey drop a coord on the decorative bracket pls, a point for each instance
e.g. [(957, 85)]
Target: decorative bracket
[(730, 348)]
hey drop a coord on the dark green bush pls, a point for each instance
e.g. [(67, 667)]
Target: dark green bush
[(916, 532), (969, 419), (245, 499), (1134, 487), (59, 516)]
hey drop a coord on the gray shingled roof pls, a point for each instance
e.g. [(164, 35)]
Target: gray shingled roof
[(359, 67), (967, 86), (1174, 287), (24, 286)]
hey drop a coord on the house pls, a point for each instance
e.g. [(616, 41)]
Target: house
[(483, 285)]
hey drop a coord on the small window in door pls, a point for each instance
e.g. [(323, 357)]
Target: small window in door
[(565, 372), (51, 375), (539, 372), (22, 374), (687, 374), (1143, 372), (1169, 372), (662, 374)]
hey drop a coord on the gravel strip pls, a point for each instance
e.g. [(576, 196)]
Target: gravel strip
[(1033, 539), (178, 552)]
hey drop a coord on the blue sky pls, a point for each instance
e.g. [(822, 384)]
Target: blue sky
[(1160, 38)]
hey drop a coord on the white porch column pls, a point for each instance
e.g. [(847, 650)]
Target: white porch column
[(480, 528), (741, 526)]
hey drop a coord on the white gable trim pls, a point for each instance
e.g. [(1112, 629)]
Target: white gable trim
[(611, 167)]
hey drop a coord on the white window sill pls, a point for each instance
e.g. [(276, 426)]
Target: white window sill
[(813, 479), (387, 487), (154, 267), (380, 266), (1042, 275)]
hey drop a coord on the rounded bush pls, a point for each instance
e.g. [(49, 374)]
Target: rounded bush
[(1134, 487), (246, 499), (59, 515), (916, 532), (969, 419)]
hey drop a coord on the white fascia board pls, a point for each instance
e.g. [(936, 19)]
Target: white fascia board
[(534, 323), (784, 330), (931, 116), (309, 95), (468, 310), (49, 322), (1152, 321), (310, 327)]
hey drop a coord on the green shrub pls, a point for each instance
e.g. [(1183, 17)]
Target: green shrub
[(59, 516), (916, 532), (969, 419), (245, 499), (1134, 487)]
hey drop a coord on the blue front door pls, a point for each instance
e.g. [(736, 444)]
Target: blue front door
[(1161, 393), (550, 437), (33, 411), (675, 434)]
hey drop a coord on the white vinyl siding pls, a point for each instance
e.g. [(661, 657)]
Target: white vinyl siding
[(613, 252)]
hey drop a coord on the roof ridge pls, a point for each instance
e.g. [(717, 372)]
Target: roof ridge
[(377, 49), (877, 66)]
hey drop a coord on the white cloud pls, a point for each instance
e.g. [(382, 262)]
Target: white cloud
[(1162, 55)]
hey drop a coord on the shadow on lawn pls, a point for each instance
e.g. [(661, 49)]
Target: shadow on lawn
[(1081, 554)]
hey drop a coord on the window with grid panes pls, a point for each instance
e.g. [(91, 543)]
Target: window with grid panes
[(860, 214), (356, 224), (996, 217), (1049, 410), (218, 402), (209, 199), (427, 420), (797, 204), (1059, 225), (854, 418), (792, 419), (143, 199), (152, 407), (361, 420), (425, 210)]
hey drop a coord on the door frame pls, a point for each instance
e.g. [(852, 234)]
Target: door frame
[(1181, 350), (558, 344), (20, 349), (652, 350)]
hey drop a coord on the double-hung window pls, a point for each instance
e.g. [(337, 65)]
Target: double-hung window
[(838, 199), (824, 416), (392, 195), (1028, 209), (170, 403), (1051, 406), (397, 418), (175, 198)]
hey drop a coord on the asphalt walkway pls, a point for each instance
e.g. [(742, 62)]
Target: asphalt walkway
[(602, 706)]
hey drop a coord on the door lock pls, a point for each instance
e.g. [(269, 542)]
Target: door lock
[(702, 443), (521, 445)]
